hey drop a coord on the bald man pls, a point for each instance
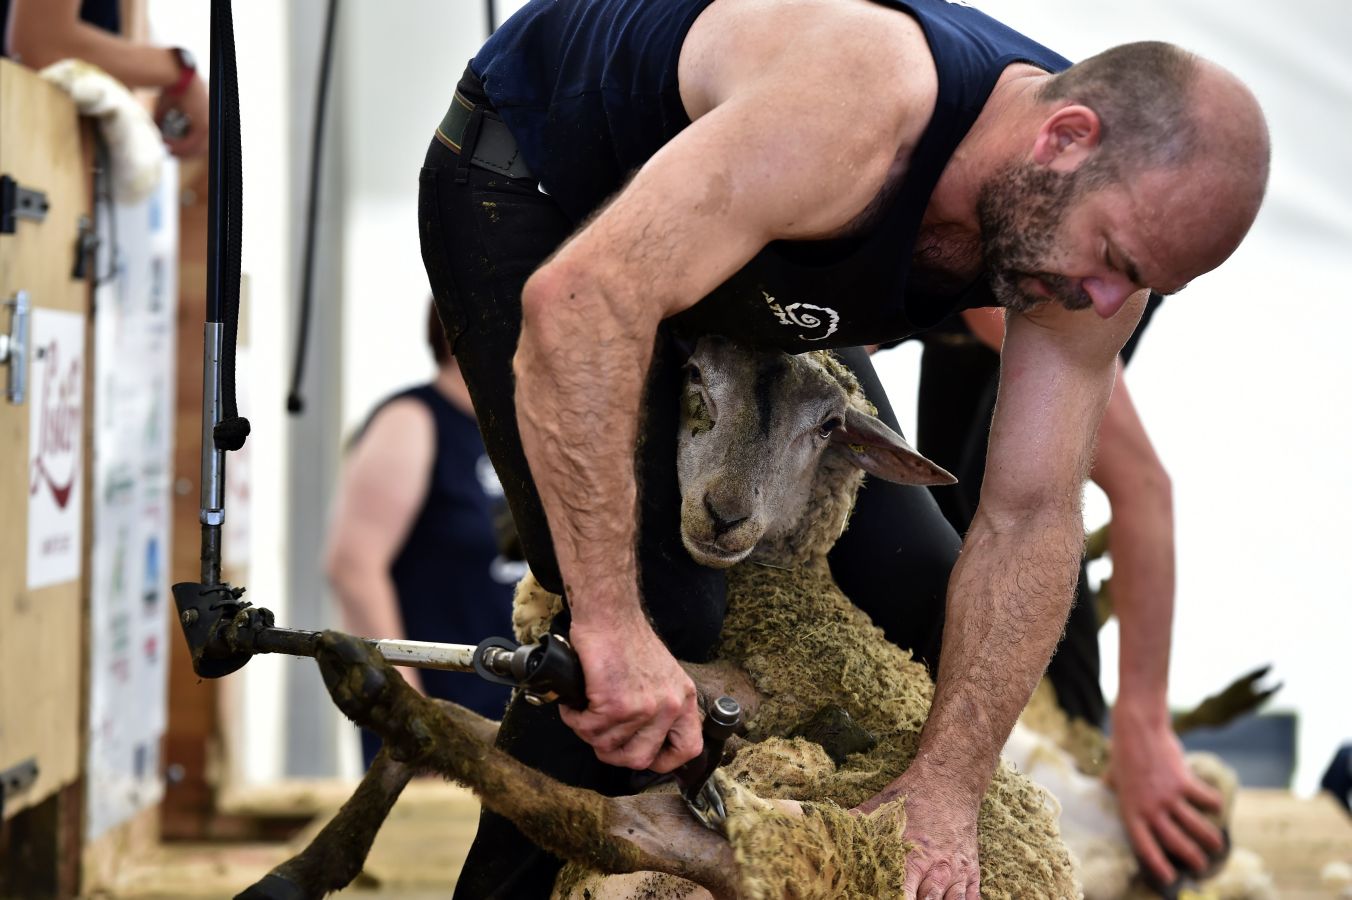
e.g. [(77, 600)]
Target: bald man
[(614, 178)]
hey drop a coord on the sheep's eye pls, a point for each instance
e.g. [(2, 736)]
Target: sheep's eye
[(830, 425), (694, 374)]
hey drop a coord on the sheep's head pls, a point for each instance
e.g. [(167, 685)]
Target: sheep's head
[(757, 429)]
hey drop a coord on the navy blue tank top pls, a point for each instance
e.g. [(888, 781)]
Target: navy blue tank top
[(451, 583), (589, 90)]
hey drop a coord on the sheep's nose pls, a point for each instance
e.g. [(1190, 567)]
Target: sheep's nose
[(721, 525)]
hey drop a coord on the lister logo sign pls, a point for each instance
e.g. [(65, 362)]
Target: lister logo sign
[(55, 438)]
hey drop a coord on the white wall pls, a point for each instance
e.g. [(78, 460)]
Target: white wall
[(400, 62), (1239, 379)]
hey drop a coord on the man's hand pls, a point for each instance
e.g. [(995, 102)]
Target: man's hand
[(641, 711), (1161, 800), (941, 824), (193, 103)]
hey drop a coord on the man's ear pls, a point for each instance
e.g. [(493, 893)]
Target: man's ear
[(881, 452), (1067, 138)]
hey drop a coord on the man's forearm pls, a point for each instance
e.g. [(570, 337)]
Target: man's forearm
[(580, 373), (1007, 604), (1141, 540)]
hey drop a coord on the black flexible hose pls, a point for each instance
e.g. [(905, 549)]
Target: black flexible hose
[(295, 403), (225, 230)]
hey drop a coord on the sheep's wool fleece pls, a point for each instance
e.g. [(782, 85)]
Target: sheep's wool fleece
[(849, 663), (1086, 744)]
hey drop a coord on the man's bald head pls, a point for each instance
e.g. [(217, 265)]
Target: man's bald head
[(1157, 104), (1163, 108)]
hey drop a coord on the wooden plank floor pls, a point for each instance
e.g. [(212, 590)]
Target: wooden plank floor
[(418, 854)]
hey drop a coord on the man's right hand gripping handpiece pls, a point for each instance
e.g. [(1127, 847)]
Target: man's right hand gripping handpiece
[(641, 711)]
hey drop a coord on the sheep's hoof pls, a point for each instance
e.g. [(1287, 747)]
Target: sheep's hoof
[(357, 676), (839, 735)]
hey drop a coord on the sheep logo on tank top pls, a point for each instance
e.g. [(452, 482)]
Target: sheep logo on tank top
[(820, 321)]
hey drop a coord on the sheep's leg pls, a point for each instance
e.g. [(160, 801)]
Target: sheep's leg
[(339, 851), (624, 834)]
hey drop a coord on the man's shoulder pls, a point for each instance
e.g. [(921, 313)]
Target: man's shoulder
[(859, 56)]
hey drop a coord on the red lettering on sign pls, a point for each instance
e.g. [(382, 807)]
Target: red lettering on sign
[(58, 427)]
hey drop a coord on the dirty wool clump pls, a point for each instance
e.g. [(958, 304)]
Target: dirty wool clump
[(845, 660), (825, 853)]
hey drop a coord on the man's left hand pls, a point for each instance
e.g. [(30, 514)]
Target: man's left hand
[(1163, 804), (941, 827)]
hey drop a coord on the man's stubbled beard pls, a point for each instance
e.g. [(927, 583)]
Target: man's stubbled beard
[(1020, 210)]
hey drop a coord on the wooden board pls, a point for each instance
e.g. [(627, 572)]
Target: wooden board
[(41, 654)]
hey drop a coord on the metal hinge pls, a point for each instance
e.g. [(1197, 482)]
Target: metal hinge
[(14, 348), (18, 202), (17, 779)]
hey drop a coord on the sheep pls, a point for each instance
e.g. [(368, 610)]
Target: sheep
[(792, 647), (1066, 758)]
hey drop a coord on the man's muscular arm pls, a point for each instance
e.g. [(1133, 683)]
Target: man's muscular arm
[(1157, 792), (695, 213), (1011, 589)]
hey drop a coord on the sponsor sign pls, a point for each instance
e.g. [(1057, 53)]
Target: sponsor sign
[(55, 442)]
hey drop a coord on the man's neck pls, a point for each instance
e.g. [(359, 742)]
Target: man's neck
[(1002, 133), (947, 255)]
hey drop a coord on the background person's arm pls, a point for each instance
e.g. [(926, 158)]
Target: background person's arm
[(1157, 792), (383, 486), (42, 32), (693, 215)]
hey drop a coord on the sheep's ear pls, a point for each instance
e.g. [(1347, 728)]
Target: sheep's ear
[(882, 452)]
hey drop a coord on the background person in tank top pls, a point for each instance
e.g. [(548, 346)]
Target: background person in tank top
[(412, 551)]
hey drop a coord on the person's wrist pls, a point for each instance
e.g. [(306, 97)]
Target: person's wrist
[(187, 71), (618, 618), (960, 787), (1141, 712)]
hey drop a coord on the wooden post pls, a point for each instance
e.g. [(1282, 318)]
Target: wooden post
[(42, 659)]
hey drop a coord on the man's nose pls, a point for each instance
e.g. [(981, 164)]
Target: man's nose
[(1107, 294)]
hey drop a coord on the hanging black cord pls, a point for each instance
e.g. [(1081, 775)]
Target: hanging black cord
[(492, 15), (295, 403), (225, 228)]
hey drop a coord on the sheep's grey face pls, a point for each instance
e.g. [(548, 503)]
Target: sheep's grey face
[(754, 427)]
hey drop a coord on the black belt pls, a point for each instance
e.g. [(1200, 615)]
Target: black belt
[(492, 145)]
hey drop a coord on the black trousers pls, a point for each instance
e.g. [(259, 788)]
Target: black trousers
[(483, 234)]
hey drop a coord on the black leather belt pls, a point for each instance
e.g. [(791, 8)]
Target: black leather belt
[(493, 147)]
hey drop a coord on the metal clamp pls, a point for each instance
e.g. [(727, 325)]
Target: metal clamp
[(18, 202), (14, 348), (17, 779)]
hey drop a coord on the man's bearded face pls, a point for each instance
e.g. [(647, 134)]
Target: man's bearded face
[(1020, 211)]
